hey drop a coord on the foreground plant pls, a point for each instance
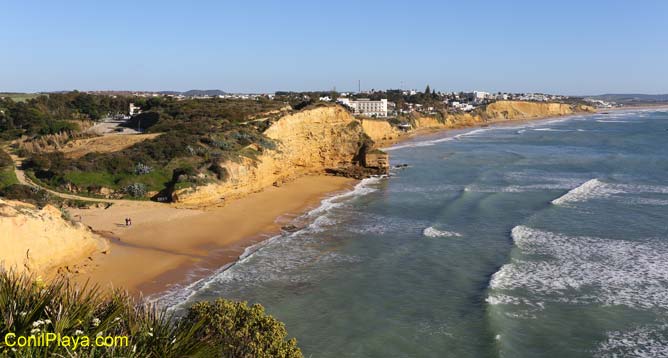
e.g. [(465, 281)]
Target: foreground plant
[(65, 321)]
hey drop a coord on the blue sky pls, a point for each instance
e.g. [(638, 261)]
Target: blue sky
[(572, 47)]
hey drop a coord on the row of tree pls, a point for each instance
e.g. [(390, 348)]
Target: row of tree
[(56, 112)]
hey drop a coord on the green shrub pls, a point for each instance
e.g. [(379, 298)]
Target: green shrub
[(28, 194), (136, 190), (7, 175), (5, 160), (28, 306), (238, 330)]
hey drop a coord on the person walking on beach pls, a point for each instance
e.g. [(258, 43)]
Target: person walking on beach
[(126, 222)]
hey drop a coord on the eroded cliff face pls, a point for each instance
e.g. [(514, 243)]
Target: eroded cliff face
[(309, 141), (527, 110), (40, 241), (320, 139), (501, 110), (380, 130)]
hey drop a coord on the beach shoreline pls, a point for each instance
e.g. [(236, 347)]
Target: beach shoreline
[(169, 246)]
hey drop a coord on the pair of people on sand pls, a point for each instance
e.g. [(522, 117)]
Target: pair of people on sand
[(128, 222)]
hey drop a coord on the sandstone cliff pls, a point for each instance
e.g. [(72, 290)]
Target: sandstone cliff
[(40, 241), (380, 130), (309, 141), (526, 110), (501, 110), (329, 137)]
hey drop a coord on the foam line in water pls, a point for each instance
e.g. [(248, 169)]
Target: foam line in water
[(553, 130), (432, 232), (431, 142), (596, 189)]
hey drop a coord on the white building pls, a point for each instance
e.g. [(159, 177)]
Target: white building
[(134, 109), (365, 106), (480, 95)]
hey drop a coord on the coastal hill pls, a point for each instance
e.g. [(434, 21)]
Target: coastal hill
[(197, 161), (319, 139), (42, 240), (307, 142), (382, 131), (202, 151)]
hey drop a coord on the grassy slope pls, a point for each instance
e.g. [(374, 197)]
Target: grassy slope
[(20, 97), (7, 175), (155, 180)]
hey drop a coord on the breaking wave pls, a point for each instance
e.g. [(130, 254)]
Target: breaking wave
[(432, 232), (590, 189), (583, 270), (596, 189)]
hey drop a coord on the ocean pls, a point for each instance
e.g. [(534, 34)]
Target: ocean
[(540, 239)]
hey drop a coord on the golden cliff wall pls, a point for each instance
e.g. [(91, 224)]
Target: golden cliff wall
[(380, 130), (527, 110), (39, 241), (313, 140), (309, 141), (502, 110)]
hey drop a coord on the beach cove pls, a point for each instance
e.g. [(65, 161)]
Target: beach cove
[(167, 245)]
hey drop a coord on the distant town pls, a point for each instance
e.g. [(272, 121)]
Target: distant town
[(387, 103)]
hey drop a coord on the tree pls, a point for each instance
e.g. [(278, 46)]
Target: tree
[(241, 331), (427, 90)]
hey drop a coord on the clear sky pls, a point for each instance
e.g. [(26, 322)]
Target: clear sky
[(571, 47)]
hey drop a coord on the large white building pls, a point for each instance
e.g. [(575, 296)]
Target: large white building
[(480, 95), (367, 107)]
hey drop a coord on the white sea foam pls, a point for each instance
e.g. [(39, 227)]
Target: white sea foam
[(380, 224), (646, 341), (558, 268), (596, 189), (432, 232), (531, 180), (553, 130), (590, 189), (362, 188), (431, 142)]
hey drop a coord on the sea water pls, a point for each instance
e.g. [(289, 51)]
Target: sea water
[(542, 239)]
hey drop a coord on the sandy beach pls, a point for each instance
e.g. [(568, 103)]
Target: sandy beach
[(167, 245)]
